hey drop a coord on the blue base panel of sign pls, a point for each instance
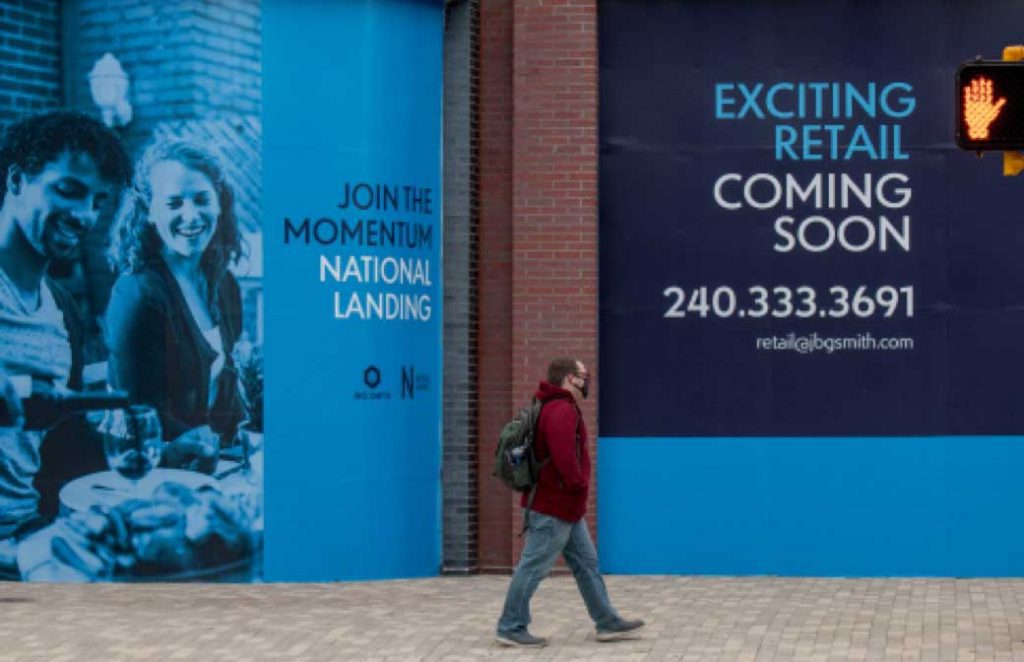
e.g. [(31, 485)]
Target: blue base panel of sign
[(843, 506)]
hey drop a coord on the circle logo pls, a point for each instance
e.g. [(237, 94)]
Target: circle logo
[(371, 376)]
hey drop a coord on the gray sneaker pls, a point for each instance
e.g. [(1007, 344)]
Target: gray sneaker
[(521, 639), (620, 629)]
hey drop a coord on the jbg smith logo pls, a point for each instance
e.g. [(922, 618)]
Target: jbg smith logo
[(413, 383), (371, 379)]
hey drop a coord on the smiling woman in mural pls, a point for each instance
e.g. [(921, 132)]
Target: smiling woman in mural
[(175, 312)]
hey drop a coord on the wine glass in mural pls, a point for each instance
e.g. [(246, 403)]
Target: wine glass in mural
[(132, 441)]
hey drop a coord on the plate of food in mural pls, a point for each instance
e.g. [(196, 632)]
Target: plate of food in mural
[(177, 532)]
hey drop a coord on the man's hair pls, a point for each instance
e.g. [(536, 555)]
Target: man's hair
[(561, 368), (33, 142)]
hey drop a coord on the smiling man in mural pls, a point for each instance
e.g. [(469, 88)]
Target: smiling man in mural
[(60, 171)]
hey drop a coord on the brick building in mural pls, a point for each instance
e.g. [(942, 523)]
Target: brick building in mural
[(31, 78)]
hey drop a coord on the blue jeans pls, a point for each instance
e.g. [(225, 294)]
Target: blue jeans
[(546, 538)]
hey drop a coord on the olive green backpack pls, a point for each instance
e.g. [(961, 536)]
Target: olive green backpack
[(514, 460)]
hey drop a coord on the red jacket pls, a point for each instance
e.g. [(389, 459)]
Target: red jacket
[(565, 480)]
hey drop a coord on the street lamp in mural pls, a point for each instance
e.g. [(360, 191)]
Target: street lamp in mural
[(108, 84)]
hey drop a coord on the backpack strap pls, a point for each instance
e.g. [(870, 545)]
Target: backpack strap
[(529, 505), (579, 437), (533, 444), (533, 454)]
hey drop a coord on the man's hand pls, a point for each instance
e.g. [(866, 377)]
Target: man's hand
[(979, 111), (195, 450)]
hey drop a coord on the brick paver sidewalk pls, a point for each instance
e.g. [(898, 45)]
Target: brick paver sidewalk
[(452, 618)]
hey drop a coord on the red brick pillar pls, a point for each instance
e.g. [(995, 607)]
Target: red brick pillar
[(538, 170), (494, 285)]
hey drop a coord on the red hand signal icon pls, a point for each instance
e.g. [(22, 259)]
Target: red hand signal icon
[(979, 111)]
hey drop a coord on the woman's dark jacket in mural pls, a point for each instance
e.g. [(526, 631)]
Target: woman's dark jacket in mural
[(159, 355)]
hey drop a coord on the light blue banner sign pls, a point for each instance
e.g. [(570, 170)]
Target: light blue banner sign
[(352, 193)]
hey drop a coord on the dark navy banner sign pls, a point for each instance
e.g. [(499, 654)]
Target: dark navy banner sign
[(790, 231), (811, 303)]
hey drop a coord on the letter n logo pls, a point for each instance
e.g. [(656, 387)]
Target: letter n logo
[(408, 381)]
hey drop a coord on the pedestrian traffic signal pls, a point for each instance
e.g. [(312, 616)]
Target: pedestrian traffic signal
[(990, 105)]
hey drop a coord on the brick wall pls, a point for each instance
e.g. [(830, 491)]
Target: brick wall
[(227, 57), (555, 192), (459, 472), (30, 58), (494, 381), (153, 44), (538, 179)]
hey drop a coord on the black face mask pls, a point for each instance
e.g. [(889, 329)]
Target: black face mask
[(585, 389)]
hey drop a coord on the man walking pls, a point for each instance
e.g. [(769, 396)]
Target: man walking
[(555, 523)]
